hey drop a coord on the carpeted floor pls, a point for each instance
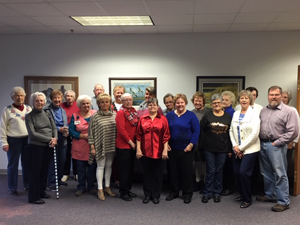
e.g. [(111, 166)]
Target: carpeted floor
[(87, 209)]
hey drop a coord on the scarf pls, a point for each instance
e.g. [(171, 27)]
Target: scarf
[(131, 115)]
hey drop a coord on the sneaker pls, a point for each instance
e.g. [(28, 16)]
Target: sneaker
[(280, 208), (51, 188), (64, 178), (265, 199), (13, 192), (61, 183), (79, 192)]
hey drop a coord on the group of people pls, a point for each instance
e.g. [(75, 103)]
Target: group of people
[(104, 138)]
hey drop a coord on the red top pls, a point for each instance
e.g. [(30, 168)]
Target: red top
[(70, 109), (153, 134), (125, 131)]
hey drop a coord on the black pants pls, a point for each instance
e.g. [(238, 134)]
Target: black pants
[(228, 173), (40, 157), (181, 172), (153, 176), (126, 158), (67, 165)]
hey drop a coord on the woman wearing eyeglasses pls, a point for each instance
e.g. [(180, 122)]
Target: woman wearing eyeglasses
[(215, 126)]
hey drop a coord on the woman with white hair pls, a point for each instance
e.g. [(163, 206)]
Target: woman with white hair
[(14, 137), (78, 129), (42, 137)]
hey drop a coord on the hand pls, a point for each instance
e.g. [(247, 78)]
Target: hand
[(5, 148), (229, 154), (139, 154), (169, 148), (84, 136), (53, 142), (93, 151), (132, 144), (188, 148), (290, 145), (165, 154)]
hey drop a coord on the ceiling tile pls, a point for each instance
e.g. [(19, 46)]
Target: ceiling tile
[(5, 11), (256, 17), (218, 6), (283, 26), (128, 8), (288, 17), (10, 30), (211, 28), (56, 21), (175, 29), (105, 30), (271, 6), (248, 27), (20, 1), (214, 18), (170, 7), (19, 21), (172, 19), (35, 9), (79, 9), (67, 29), (140, 29), (40, 30)]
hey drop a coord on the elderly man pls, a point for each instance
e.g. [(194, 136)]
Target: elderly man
[(278, 127), (98, 89)]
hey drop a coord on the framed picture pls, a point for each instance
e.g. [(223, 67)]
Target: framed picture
[(135, 86), (48, 84), (210, 85)]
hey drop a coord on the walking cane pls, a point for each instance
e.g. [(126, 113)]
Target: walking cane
[(55, 172)]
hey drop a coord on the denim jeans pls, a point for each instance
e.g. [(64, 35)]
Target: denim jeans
[(273, 166), (214, 173), (86, 173), (17, 147)]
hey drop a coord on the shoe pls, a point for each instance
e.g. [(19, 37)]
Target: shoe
[(155, 200), (280, 208), (93, 191), (205, 199), (227, 192), (41, 201), (76, 177), (26, 189), (126, 197), (265, 199), (46, 196), (79, 192), (132, 194), (64, 178), (187, 200), (13, 192), (108, 191), (61, 183), (245, 205), (117, 185), (170, 197), (217, 198), (51, 188), (101, 194), (238, 199), (146, 200)]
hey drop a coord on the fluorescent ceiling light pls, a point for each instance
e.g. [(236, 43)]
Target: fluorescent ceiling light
[(113, 20)]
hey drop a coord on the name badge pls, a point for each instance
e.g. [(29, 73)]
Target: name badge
[(77, 122)]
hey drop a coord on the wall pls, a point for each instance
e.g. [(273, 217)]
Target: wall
[(175, 59)]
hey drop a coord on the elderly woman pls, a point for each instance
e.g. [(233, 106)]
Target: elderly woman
[(152, 136), (126, 121), (60, 118), (185, 129), (102, 139), (70, 107), (244, 131), (78, 128), (169, 103), (198, 100), (215, 126), (150, 92), (42, 137), (14, 137)]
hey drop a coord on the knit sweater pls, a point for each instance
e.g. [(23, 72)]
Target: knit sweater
[(13, 123), (102, 134)]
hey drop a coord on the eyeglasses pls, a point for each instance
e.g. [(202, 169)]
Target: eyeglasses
[(216, 103)]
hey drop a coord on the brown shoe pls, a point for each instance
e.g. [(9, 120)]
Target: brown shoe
[(101, 194), (280, 208), (108, 191), (265, 199)]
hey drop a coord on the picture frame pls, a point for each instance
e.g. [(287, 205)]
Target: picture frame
[(210, 85), (134, 85), (47, 84)]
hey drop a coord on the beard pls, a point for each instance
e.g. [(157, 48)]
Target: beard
[(274, 103)]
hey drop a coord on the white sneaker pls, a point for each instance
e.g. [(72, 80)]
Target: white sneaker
[(76, 177), (64, 178)]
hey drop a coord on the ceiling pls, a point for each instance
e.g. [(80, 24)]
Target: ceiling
[(169, 16)]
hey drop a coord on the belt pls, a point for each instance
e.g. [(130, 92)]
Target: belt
[(267, 140)]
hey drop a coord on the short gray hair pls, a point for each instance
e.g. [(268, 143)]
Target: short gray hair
[(70, 91), (151, 90), (230, 94), (152, 100), (248, 94), (126, 95), (34, 95), (289, 93), (17, 90), (167, 96), (215, 97), (81, 98)]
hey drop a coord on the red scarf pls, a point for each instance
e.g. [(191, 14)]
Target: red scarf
[(131, 115)]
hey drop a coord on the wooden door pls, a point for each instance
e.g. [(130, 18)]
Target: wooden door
[(297, 147)]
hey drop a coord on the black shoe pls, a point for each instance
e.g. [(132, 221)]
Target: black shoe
[(205, 199), (245, 205), (61, 183), (187, 200), (46, 196), (238, 199), (217, 198), (126, 197), (227, 192), (117, 185), (170, 197), (146, 200), (155, 200), (51, 188), (132, 194), (13, 192), (41, 201)]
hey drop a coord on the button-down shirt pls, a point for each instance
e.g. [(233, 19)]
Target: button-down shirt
[(279, 124)]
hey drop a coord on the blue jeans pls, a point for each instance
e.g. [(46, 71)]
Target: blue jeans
[(17, 147), (214, 173), (273, 166), (86, 173)]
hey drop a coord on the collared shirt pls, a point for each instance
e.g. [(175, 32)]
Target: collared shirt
[(279, 124)]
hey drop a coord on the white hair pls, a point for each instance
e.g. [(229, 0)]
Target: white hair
[(70, 91), (81, 98), (33, 96), (17, 90)]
